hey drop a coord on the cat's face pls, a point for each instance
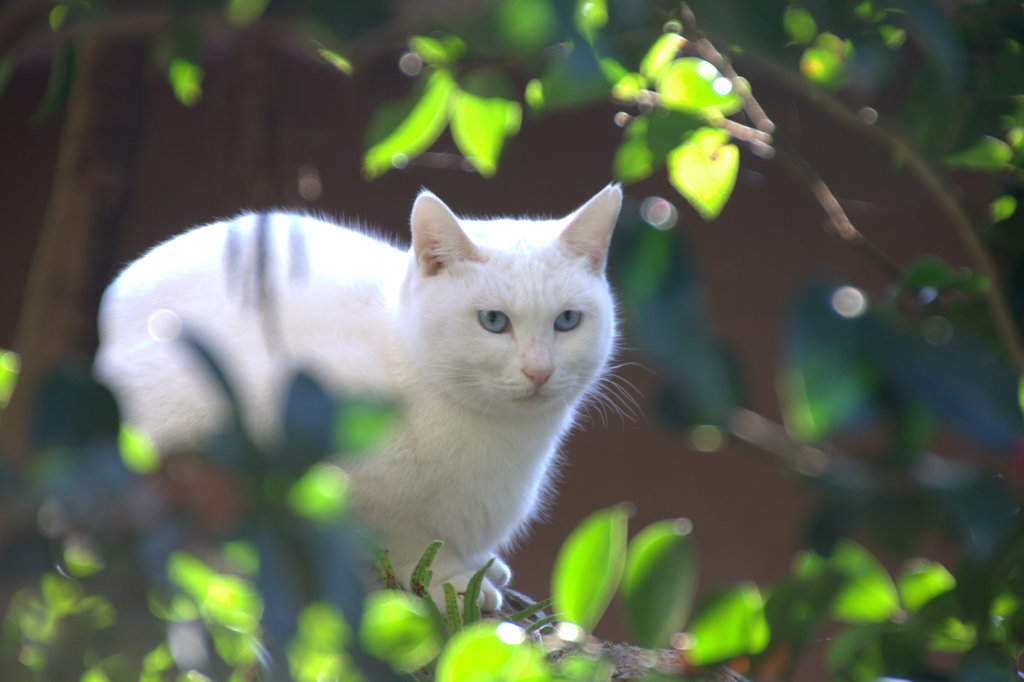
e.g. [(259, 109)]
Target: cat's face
[(512, 314)]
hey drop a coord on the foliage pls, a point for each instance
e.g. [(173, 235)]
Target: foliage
[(101, 583)]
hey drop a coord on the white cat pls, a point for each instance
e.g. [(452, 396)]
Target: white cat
[(489, 334)]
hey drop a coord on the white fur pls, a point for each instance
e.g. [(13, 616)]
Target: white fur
[(482, 414)]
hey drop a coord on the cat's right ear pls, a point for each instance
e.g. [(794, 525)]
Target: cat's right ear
[(437, 237)]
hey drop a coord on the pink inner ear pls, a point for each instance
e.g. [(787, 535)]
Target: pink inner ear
[(437, 237)]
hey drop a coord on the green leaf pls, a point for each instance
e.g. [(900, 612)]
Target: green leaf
[(58, 14), (869, 595), (438, 52), (241, 13), (186, 79), (138, 451), (590, 17), (661, 54), (417, 131), (629, 86), (419, 581), (694, 85), (336, 60), (703, 169), (10, 367), (320, 494), (480, 125), (659, 581), (987, 154), (826, 62), (589, 566), (491, 651), (526, 26), (362, 426), (58, 85), (921, 581), (799, 25), (473, 592), (396, 628), (1002, 208), (730, 623), (453, 617)]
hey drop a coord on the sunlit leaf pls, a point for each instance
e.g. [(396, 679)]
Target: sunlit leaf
[(730, 623), (869, 595), (362, 426), (694, 85), (489, 650), (629, 86), (138, 451), (82, 560), (316, 651), (800, 25), (826, 62), (336, 60), (659, 581), (320, 494), (397, 629), (186, 79), (921, 581), (703, 169), (480, 125), (438, 51), (589, 566), (987, 154), (241, 13), (661, 54), (1002, 208), (226, 599), (534, 94), (10, 366), (591, 16), (417, 131)]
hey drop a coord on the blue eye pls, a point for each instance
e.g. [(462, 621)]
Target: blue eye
[(568, 320), (493, 321)]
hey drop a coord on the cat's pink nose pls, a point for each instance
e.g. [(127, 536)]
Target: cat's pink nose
[(538, 375)]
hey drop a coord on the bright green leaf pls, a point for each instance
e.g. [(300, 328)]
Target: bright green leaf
[(336, 60), (892, 36), (659, 581), (826, 62), (138, 451), (438, 52), (489, 650), (922, 581), (987, 154), (320, 494), (534, 94), (869, 595), (480, 125), (589, 566), (417, 131), (81, 560), (186, 80), (241, 13), (703, 169), (629, 86), (661, 54), (730, 623), (694, 85), (362, 426), (634, 159), (526, 25), (397, 629), (591, 16), (10, 366), (1002, 208), (800, 25)]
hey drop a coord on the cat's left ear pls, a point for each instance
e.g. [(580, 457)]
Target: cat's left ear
[(589, 232), (437, 237)]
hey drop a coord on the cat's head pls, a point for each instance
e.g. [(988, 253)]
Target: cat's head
[(511, 314)]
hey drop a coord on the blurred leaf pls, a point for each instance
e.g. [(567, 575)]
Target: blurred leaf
[(58, 86), (320, 494), (1003, 208), (362, 426), (10, 366), (628, 88), (921, 581), (7, 68), (868, 594), (396, 629), (438, 51), (527, 26), (590, 17), (138, 451), (826, 62), (987, 154), (483, 651), (659, 581), (827, 380), (703, 169), (729, 623), (855, 654), (480, 125), (798, 609), (986, 663), (186, 79), (576, 79), (72, 409), (661, 54), (799, 25), (58, 14), (935, 273), (336, 60), (694, 85), (417, 131), (589, 566), (241, 13), (317, 650)]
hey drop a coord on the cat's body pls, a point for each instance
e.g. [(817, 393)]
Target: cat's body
[(487, 334)]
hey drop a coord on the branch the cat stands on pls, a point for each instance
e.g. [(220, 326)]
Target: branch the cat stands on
[(489, 335)]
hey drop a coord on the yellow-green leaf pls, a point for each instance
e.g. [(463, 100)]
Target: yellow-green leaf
[(10, 366), (241, 13), (417, 131), (799, 25), (489, 650), (320, 494), (186, 80), (922, 581), (591, 16), (480, 125), (397, 629), (730, 623), (694, 85), (661, 54), (703, 169), (138, 451), (825, 63), (589, 566)]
